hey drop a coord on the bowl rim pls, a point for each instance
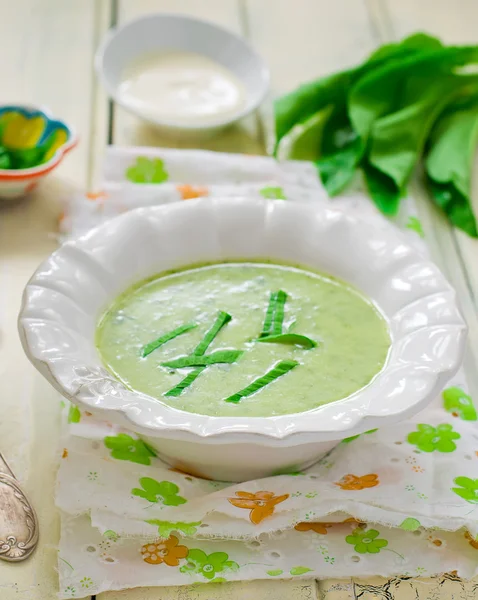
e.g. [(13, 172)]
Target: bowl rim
[(99, 392), (112, 90), (43, 169)]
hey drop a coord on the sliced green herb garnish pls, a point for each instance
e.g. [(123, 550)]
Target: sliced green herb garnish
[(293, 339), (220, 356), (279, 313), (266, 329), (177, 390), (201, 348), (281, 368), (204, 344), (167, 337), (275, 314)]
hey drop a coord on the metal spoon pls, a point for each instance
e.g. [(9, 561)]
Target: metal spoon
[(18, 521)]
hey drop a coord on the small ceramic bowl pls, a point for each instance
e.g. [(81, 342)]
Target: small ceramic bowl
[(66, 296), (23, 129), (166, 32)]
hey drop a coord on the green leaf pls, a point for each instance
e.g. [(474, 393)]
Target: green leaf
[(299, 570), (382, 189), (449, 164), (275, 572), (74, 414), (166, 337), (300, 105), (457, 207), (398, 139), (292, 339), (277, 371), (396, 83), (304, 140), (338, 168), (220, 356)]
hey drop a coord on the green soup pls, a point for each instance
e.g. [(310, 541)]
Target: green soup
[(345, 345)]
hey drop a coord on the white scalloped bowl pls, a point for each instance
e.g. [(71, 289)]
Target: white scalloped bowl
[(70, 290)]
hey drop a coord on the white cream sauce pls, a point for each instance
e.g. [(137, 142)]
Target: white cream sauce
[(182, 87)]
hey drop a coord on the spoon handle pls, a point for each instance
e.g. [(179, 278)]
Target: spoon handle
[(18, 521)]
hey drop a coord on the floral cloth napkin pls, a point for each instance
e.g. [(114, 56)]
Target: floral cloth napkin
[(399, 500)]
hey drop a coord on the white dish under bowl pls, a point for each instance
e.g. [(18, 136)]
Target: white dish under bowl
[(70, 290), (166, 32)]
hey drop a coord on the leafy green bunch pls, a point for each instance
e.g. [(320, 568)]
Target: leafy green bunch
[(409, 101)]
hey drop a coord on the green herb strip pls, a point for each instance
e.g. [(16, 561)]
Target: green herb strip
[(204, 344), (266, 329), (280, 369), (177, 390), (293, 339), (279, 313), (220, 356), (167, 337), (275, 314), (201, 348)]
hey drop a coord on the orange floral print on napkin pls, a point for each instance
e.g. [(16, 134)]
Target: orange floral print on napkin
[(65, 453), (261, 504), (317, 527), (101, 195), (355, 482), (164, 551), (188, 192)]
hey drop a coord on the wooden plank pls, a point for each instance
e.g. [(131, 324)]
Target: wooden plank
[(305, 589), (49, 45), (129, 130)]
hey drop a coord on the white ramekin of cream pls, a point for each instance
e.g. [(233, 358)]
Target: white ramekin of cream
[(181, 74)]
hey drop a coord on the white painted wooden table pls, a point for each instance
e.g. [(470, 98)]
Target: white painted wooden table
[(47, 49)]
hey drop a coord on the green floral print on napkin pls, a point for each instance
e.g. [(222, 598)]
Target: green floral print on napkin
[(468, 489), (366, 541), (299, 570), (86, 582), (165, 492), (410, 524), (124, 447), (147, 170), (208, 565), (459, 404), (74, 414), (415, 225), (429, 438), (272, 193), (165, 528)]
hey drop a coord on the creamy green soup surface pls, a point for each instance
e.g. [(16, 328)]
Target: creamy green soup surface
[(351, 337)]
